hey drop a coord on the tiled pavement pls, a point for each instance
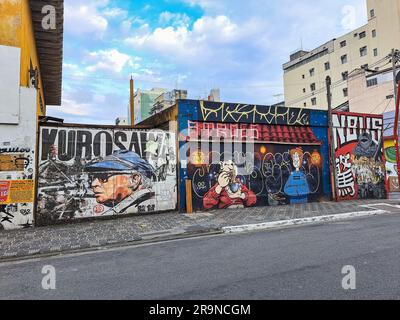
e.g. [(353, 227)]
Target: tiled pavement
[(123, 231)]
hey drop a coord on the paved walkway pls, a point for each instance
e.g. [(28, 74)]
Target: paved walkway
[(128, 230)]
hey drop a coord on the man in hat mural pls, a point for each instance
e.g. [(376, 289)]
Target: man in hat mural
[(121, 181), (296, 187)]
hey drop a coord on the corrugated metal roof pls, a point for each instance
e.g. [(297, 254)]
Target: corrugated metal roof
[(49, 44)]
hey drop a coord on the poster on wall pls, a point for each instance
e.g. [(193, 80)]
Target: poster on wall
[(16, 187), (360, 166), (88, 172), (227, 171)]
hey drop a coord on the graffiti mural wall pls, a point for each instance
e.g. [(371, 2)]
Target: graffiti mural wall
[(243, 156), (391, 165), (17, 166), (360, 165), (93, 172)]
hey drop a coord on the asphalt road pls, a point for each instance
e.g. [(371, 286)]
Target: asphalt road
[(296, 263)]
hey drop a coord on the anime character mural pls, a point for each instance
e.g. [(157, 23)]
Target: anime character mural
[(296, 187), (229, 191)]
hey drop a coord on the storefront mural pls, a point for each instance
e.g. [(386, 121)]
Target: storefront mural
[(237, 166), (360, 166), (91, 172)]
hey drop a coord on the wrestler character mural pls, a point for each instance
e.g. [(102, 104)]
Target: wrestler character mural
[(229, 191), (296, 187), (360, 167)]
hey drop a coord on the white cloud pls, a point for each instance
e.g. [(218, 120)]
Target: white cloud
[(174, 19), (184, 45), (111, 60), (84, 18)]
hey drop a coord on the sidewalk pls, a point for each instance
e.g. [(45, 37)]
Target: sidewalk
[(130, 230)]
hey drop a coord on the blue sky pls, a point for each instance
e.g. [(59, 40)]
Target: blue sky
[(235, 45)]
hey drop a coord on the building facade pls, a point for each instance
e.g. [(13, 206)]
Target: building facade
[(30, 77), (144, 103), (371, 92), (306, 72)]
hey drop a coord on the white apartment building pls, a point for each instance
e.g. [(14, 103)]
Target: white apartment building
[(367, 46)]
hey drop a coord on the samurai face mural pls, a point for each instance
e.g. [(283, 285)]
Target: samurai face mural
[(118, 177), (366, 147)]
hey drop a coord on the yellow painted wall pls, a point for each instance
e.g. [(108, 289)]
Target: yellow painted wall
[(16, 30)]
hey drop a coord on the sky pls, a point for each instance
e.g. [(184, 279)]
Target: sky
[(235, 45)]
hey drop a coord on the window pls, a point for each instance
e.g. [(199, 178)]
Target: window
[(303, 76), (312, 72), (374, 33), (345, 92), (372, 13), (375, 52), (363, 51), (345, 75), (314, 101), (305, 104), (344, 59), (372, 82), (327, 66), (313, 87), (362, 34), (304, 90), (343, 44)]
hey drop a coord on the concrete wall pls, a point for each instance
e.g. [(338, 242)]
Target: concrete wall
[(246, 155), (10, 84), (87, 172), (360, 165), (17, 165)]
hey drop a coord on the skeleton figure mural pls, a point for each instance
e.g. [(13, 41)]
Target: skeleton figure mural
[(229, 191)]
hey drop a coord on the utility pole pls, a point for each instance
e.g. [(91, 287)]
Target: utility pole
[(331, 141), (132, 102)]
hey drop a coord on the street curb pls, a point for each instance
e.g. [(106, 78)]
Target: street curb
[(303, 221), (157, 237)]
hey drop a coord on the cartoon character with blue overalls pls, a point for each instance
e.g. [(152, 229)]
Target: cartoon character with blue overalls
[(296, 187)]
